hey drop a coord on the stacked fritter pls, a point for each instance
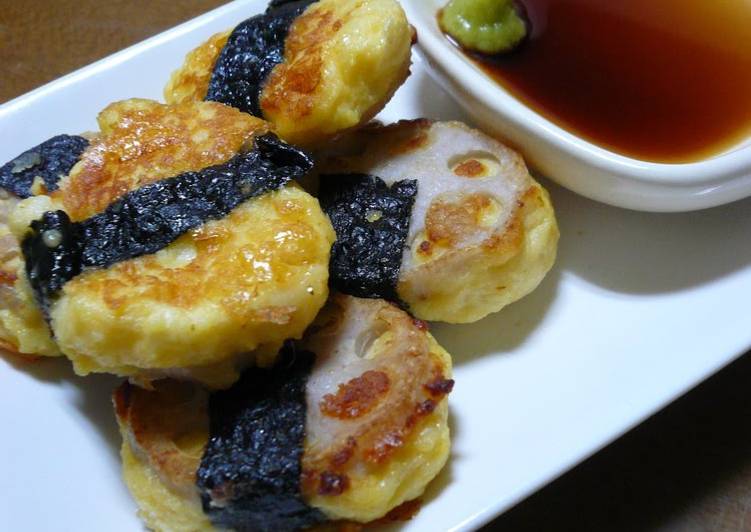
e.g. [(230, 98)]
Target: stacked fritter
[(175, 247)]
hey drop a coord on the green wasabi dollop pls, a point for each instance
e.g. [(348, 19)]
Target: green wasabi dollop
[(487, 26)]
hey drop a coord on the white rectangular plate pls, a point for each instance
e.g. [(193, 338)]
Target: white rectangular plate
[(639, 309)]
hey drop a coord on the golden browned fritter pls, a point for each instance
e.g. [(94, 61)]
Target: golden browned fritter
[(376, 422), (377, 409), (191, 81), (22, 328), (197, 307), (343, 60), (482, 232), (164, 433), (31, 173), (143, 141)]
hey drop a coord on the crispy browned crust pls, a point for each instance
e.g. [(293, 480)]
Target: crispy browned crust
[(381, 408), (167, 427), (506, 243), (375, 414), (191, 81), (291, 88), (356, 397), (144, 141), (292, 84), (448, 222)]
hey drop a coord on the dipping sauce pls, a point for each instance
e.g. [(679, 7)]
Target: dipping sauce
[(657, 80)]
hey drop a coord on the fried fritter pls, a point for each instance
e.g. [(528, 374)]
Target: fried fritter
[(376, 428), (34, 172), (22, 328), (197, 307), (343, 60), (377, 409), (190, 82), (164, 433), (143, 141), (482, 233)]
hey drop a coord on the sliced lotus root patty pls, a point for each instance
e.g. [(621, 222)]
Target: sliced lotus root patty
[(311, 68), (349, 424), (177, 245), (438, 217), (35, 171)]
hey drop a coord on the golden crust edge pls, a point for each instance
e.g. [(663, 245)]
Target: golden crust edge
[(513, 267)]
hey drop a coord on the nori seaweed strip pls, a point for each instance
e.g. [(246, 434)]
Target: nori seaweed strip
[(148, 219), (253, 49), (273, 4), (51, 160), (250, 472), (371, 222)]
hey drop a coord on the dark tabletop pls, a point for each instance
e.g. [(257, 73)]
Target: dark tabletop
[(686, 469)]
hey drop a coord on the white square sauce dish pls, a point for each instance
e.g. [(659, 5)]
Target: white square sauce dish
[(638, 308)]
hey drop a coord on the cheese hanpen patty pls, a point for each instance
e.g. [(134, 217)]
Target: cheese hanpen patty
[(311, 68), (36, 171), (193, 249), (351, 423)]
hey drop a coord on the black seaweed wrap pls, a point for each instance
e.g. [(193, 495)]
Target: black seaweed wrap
[(51, 160), (253, 49), (371, 222), (148, 219), (250, 472)]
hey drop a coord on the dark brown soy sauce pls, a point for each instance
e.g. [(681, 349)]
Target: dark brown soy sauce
[(657, 80)]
